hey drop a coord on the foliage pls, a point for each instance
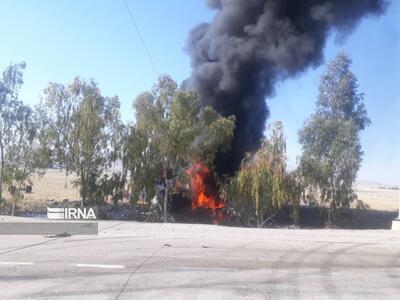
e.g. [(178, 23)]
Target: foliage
[(330, 138), (262, 186), (86, 132), (21, 145), (171, 132), (12, 114), (58, 109), (111, 187)]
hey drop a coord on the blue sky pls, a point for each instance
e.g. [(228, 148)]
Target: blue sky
[(95, 39)]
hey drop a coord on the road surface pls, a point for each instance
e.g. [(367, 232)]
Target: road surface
[(130, 260)]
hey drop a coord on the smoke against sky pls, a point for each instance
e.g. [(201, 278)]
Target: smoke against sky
[(250, 45), (59, 42)]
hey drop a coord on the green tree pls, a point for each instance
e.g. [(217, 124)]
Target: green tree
[(58, 107), (13, 114), (146, 150), (330, 138), (262, 186), (27, 156), (171, 132), (86, 132), (22, 147), (143, 162)]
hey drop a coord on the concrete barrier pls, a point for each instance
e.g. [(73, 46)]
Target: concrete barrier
[(396, 224)]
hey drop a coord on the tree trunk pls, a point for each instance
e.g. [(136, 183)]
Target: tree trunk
[(132, 190), (329, 217), (166, 202), (14, 199), (258, 212), (83, 188), (83, 198), (66, 179)]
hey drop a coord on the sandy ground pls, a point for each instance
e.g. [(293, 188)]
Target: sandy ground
[(52, 186), (378, 198)]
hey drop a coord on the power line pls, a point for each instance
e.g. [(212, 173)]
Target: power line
[(141, 39)]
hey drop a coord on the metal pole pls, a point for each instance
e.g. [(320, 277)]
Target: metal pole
[(166, 201)]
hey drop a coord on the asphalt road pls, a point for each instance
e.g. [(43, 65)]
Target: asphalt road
[(129, 260)]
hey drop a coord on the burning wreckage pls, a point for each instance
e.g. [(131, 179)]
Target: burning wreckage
[(198, 200), (238, 58)]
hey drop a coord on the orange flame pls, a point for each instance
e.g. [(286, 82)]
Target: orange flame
[(205, 193)]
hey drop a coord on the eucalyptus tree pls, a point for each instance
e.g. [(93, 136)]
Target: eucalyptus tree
[(171, 132), (86, 131), (25, 157), (23, 150), (57, 110), (13, 114), (330, 138)]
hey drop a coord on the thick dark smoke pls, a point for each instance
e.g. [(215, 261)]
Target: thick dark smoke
[(252, 44)]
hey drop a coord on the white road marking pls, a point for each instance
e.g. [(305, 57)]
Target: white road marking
[(16, 263), (204, 269), (310, 273), (100, 266)]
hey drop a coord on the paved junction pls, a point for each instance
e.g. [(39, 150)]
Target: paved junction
[(130, 260)]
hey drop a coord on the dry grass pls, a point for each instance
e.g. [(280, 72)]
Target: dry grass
[(52, 186), (379, 198)]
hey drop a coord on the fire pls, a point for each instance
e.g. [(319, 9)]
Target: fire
[(205, 192)]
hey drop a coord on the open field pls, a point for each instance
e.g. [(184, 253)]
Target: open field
[(379, 198), (52, 186), (130, 260)]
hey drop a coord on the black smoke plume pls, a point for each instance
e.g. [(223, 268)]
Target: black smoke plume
[(250, 45)]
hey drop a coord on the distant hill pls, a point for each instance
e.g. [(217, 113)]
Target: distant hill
[(374, 184)]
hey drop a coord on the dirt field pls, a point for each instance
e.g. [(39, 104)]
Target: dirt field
[(379, 198), (52, 186)]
